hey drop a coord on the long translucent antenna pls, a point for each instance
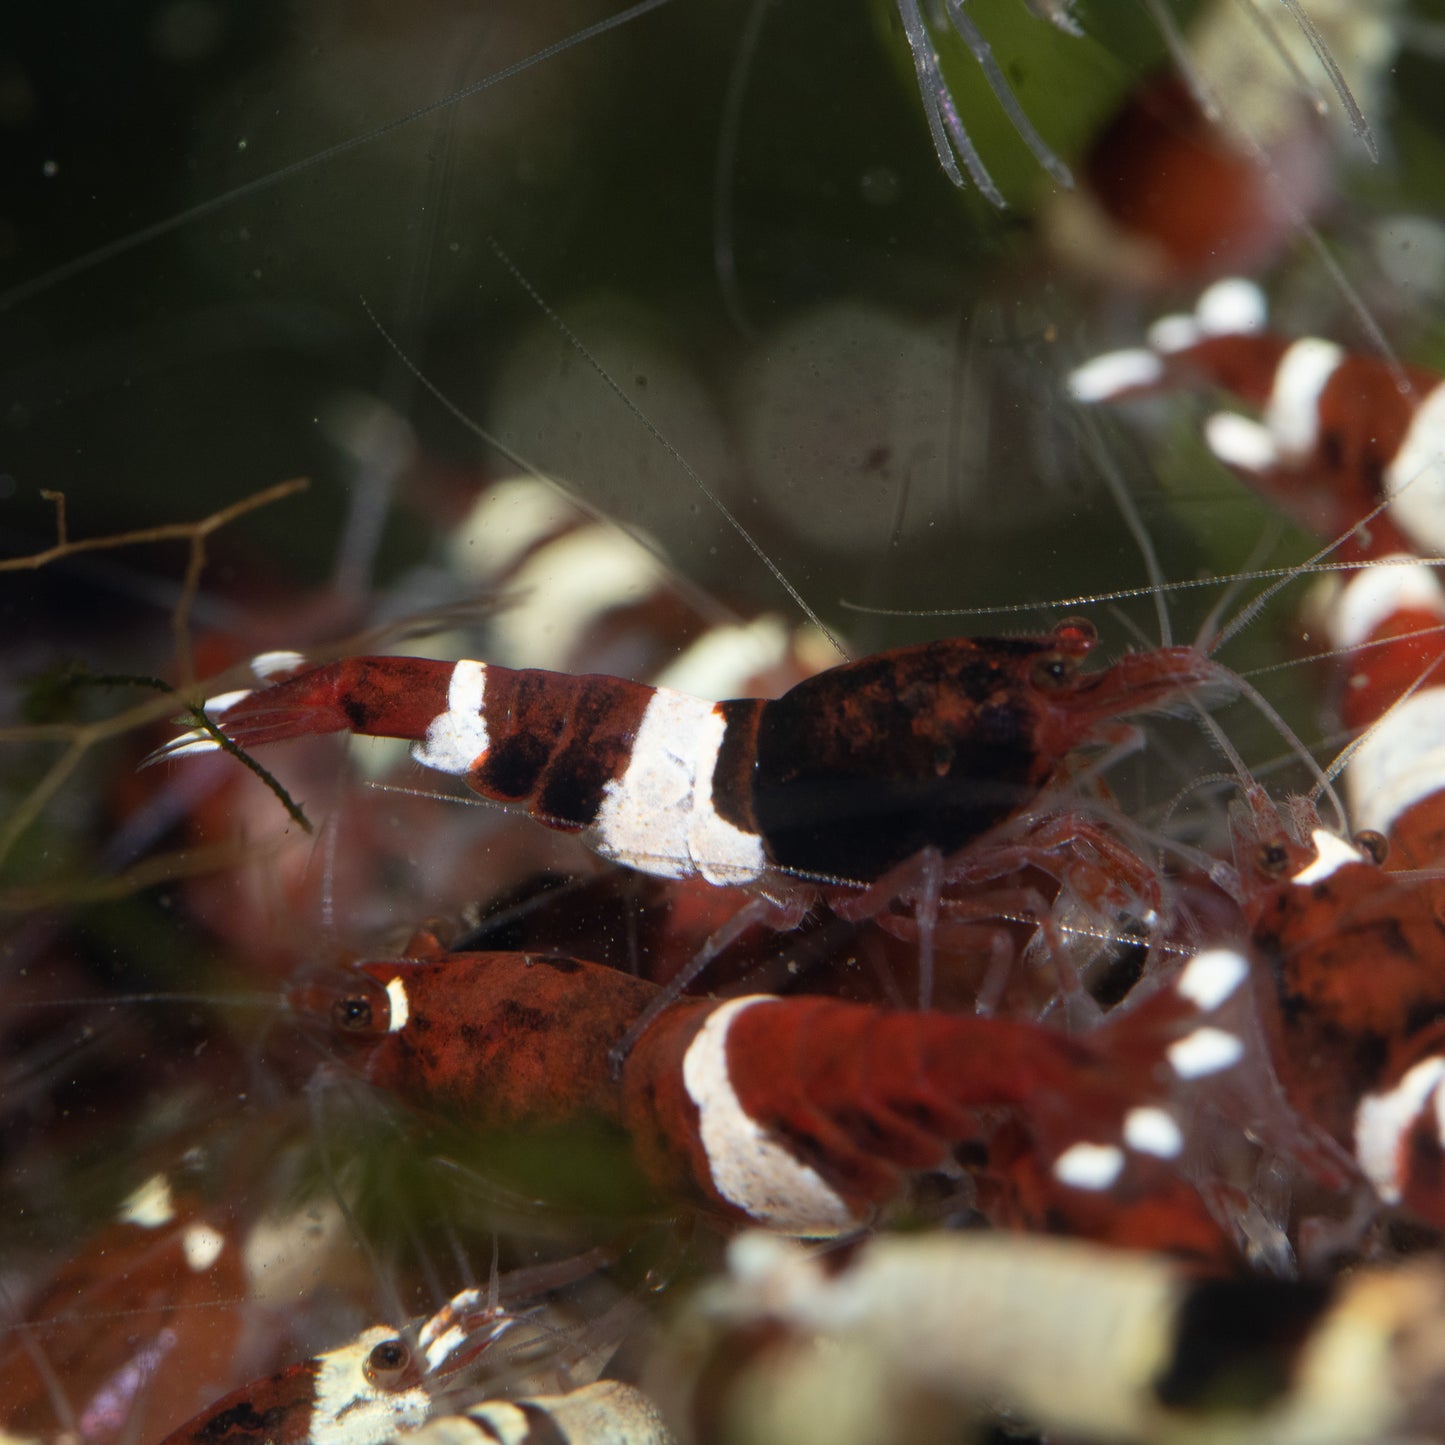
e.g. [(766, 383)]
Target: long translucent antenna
[(1251, 610), (1286, 58), (1429, 671), (1312, 568), (119, 247), (1178, 49), (1132, 520), (706, 606), (1354, 649), (376, 470), (1210, 627), (652, 429)]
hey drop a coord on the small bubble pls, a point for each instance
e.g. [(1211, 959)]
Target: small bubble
[(242, 143), (49, 169)]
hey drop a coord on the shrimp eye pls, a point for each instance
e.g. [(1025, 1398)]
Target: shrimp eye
[(1052, 671), (1375, 846), (366, 1011), (1272, 859), (387, 1364)]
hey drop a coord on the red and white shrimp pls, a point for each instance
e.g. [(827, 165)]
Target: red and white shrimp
[(1349, 952), (1344, 439), (1099, 1131), (1339, 962), (804, 1114), (844, 777), (1356, 947)]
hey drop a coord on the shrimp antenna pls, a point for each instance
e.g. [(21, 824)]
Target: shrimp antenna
[(1346, 753), (1117, 594), (1323, 784), (696, 597), (655, 432), (1251, 610), (1276, 43), (1310, 31), (1135, 523), (26, 290), (1178, 49), (1211, 626)]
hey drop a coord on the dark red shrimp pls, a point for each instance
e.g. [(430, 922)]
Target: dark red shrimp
[(804, 1114), (1213, 164), (1168, 196)]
